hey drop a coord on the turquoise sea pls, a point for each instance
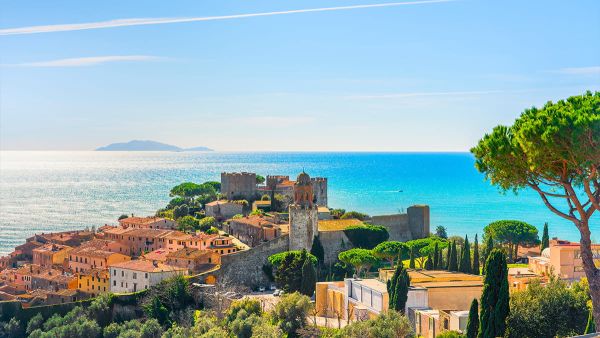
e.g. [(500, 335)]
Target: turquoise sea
[(51, 191)]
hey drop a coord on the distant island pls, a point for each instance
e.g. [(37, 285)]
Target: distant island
[(143, 145)]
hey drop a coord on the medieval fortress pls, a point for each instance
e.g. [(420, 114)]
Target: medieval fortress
[(308, 216)]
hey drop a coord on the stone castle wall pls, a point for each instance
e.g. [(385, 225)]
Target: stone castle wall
[(235, 185), (303, 226), (396, 225), (245, 267), (319, 185), (333, 243), (414, 224)]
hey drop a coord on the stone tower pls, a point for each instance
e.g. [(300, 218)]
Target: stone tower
[(303, 214), (319, 185), (238, 185)]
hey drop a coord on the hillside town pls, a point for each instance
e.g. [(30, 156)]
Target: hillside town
[(245, 220)]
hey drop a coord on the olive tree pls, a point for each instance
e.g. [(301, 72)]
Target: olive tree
[(554, 150)]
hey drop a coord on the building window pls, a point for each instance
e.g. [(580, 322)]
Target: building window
[(135, 275), (146, 275), (114, 283)]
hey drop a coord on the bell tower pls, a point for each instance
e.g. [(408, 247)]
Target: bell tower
[(304, 214)]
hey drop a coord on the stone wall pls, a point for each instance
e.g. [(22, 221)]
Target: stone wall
[(319, 185), (404, 227), (333, 243), (245, 267), (236, 185), (303, 226), (396, 225)]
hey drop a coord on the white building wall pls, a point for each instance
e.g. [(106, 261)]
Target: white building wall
[(126, 280)]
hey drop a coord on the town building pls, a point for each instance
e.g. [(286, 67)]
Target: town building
[(136, 275), (93, 281), (355, 299), (95, 254), (254, 229), (445, 289), (150, 222), (222, 245), (562, 259), (53, 280), (194, 260), (520, 278), (51, 254), (221, 209), (68, 238)]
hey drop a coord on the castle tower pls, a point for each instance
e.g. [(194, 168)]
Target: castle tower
[(238, 185), (319, 185), (303, 214)]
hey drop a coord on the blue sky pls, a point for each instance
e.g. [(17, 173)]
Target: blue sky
[(421, 77)]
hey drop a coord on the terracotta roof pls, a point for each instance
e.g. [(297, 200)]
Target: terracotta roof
[(156, 255), (189, 253), (103, 273), (146, 266), (337, 224), (141, 220), (254, 221), (52, 247), (97, 248), (151, 233)]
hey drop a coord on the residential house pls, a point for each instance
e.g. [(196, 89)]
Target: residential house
[(140, 274), (51, 254), (95, 254), (562, 259), (150, 222), (253, 230), (194, 260), (223, 209), (93, 281)]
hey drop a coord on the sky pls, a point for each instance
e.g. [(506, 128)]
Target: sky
[(268, 76)]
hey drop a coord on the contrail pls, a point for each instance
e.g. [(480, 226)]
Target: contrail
[(160, 21)]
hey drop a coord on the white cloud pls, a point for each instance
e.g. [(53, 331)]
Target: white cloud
[(88, 61), (594, 70), (159, 21)]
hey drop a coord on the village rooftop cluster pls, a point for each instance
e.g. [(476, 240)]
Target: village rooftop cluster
[(140, 252)]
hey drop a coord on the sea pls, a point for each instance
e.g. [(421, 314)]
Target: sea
[(45, 191)]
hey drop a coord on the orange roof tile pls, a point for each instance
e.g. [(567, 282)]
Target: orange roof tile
[(146, 266)]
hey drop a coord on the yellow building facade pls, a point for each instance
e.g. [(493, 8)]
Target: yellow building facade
[(94, 282)]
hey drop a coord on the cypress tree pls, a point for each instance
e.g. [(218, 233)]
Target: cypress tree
[(545, 237), (440, 260), (309, 278), (475, 269), (401, 290), (473, 320), (436, 258), (495, 298), (317, 250), (392, 287), (429, 262), (453, 263), (448, 254), (489, 246), (465, 259), (412, 257)]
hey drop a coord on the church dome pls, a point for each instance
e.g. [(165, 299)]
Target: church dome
[(303, 179)]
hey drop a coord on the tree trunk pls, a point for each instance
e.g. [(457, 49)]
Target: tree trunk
[(592, 273)]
